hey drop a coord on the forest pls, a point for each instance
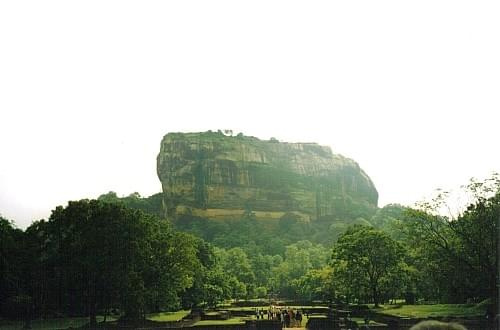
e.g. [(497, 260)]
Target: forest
[(119, 256)]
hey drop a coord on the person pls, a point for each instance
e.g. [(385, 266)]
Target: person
[(287, 320), (298, 317), (436, 325)]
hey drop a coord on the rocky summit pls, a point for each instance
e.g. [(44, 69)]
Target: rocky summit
[(216, 176)]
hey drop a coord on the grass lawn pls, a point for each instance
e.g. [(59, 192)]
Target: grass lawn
[(76, 322), (242, 308), (233, 320), (61, 323), (432, 310), (167, 316)]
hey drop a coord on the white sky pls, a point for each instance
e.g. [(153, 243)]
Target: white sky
[(409, 89)]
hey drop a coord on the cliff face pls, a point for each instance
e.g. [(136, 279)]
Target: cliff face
[(214, 176)]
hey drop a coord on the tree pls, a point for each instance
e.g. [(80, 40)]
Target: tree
[(478, 234), (300, 258), (211, 285), (172, 266), (111, 244), (238, 289), (235, 263), (262, 266), (152, 204), (316, 284), (389, 219), (12, 264), (104, 254), (364, 257), (459, 250), (237, 267)]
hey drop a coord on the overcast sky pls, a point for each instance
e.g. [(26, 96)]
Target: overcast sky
[(408, 89)]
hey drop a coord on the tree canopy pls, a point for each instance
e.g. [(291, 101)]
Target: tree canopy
[(93, 256), (96, 255), (363, 258)]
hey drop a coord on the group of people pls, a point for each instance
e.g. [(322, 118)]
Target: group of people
[(291, 318), (288, 317)]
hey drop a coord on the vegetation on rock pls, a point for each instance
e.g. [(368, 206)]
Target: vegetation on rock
[(206, 174)]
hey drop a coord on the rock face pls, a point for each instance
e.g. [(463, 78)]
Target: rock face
[(214, 176)]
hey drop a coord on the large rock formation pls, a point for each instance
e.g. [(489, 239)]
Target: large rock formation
[(214, 176)]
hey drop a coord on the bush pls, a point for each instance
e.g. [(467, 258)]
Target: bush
[(261, 292)]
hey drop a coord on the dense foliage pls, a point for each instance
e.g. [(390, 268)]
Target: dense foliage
[(437, 258), (116, 254), (457, 256), (12, 255), (92, 256), (364, 260)]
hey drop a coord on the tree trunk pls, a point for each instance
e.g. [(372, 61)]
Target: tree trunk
[(375, 296), (93, 309), (92, 301), (92, 315)]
